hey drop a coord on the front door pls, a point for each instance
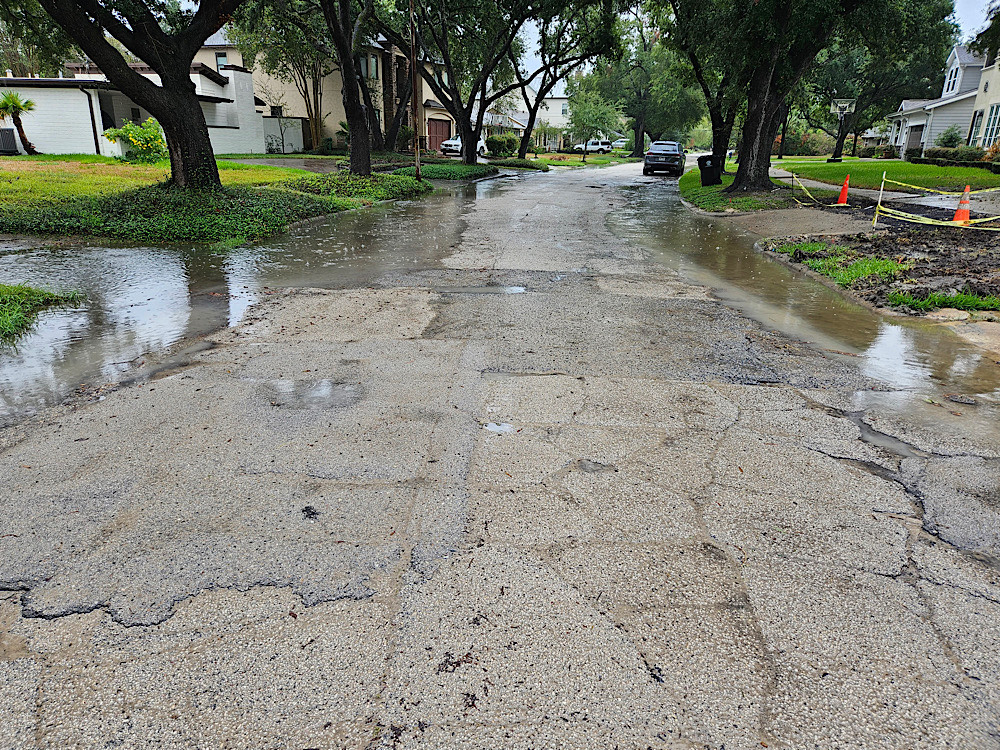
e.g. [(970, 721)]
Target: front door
[(913, 136), (437, 131)]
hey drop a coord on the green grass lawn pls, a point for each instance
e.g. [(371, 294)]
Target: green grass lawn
[(35, 180), (456, 171), (20, 305), (713, 199), (868, 174), (131, 203)]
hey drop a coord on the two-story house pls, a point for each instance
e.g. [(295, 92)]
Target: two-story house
[(384, 67), (918, 122)]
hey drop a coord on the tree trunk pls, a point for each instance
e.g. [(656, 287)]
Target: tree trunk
[(192, 160), (25, 143), (854, 146), (522, 148), (764, 114), (470, 139), (392, 134), (357, 118), (639, 138), (376, 139)]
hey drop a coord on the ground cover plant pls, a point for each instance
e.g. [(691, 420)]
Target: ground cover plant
[(454, 171), (916, 270), (21, 304), (868, 174), (358, 188), (520, 164)]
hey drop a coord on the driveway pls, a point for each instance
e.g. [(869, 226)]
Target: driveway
[(544, 493)]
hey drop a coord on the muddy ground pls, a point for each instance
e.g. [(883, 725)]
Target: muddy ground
[(942, 260)]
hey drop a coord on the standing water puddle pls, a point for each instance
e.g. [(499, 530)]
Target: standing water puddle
[(140, 301), (919, 358)]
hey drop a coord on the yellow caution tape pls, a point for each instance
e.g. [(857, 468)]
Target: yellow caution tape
[(942, 192), (917, 219), (795, 178)]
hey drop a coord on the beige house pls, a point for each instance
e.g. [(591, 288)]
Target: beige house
[(385, 69), (984, 128)]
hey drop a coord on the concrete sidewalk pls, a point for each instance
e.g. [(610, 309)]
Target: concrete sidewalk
[(545, 496)]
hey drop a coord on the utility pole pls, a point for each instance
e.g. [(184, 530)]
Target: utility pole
[(415, 95)]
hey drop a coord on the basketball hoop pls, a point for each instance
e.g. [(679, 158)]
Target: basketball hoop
[(841, 107)]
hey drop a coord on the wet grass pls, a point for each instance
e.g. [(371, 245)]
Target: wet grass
[(712, 198), (41, 180), (450, 171), (936, 300), (846, 271), (20, 306), (541, 166), (868, 174), (840, 263), (132, 203)]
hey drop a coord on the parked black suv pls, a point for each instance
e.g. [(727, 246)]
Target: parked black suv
[(664, 156)]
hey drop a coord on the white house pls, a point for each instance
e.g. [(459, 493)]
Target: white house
[(984, 129), (71, 114), (918, 122)]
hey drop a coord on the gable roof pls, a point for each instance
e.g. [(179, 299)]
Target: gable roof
[(965, 57)]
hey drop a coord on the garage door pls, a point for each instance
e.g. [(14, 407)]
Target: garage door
[(437, 131)]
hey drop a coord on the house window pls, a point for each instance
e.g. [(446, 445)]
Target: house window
[(952, 81), (276, 111), (992, 126), (977, 124), (221, 58), (369, 67), (136, 114), (565, 109)]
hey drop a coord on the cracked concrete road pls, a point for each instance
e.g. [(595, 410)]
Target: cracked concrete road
[(606, 511)]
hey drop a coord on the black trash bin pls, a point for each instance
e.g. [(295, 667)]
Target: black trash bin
[(711, 169)]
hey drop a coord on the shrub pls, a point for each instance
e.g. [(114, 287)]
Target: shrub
[(949, 138), (520, 164), (504, 144), (404, 139), (450, 171), (144, 143), (868, 152), (326, 146), (960, 154), (362, 188), (885, 151), (993, 153)]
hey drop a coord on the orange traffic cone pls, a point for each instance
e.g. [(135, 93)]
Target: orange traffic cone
[(962, 213), (842, 200)]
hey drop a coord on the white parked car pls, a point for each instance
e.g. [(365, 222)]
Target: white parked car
[(453, 147), (620, 143), (595, 147)]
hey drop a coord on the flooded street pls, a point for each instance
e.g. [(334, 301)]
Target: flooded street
[(541, 462), (142, 301)]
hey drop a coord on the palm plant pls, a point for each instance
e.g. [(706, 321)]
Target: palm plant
[(13, 106)]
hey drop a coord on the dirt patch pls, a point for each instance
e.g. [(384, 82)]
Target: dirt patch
[(911, 270)]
